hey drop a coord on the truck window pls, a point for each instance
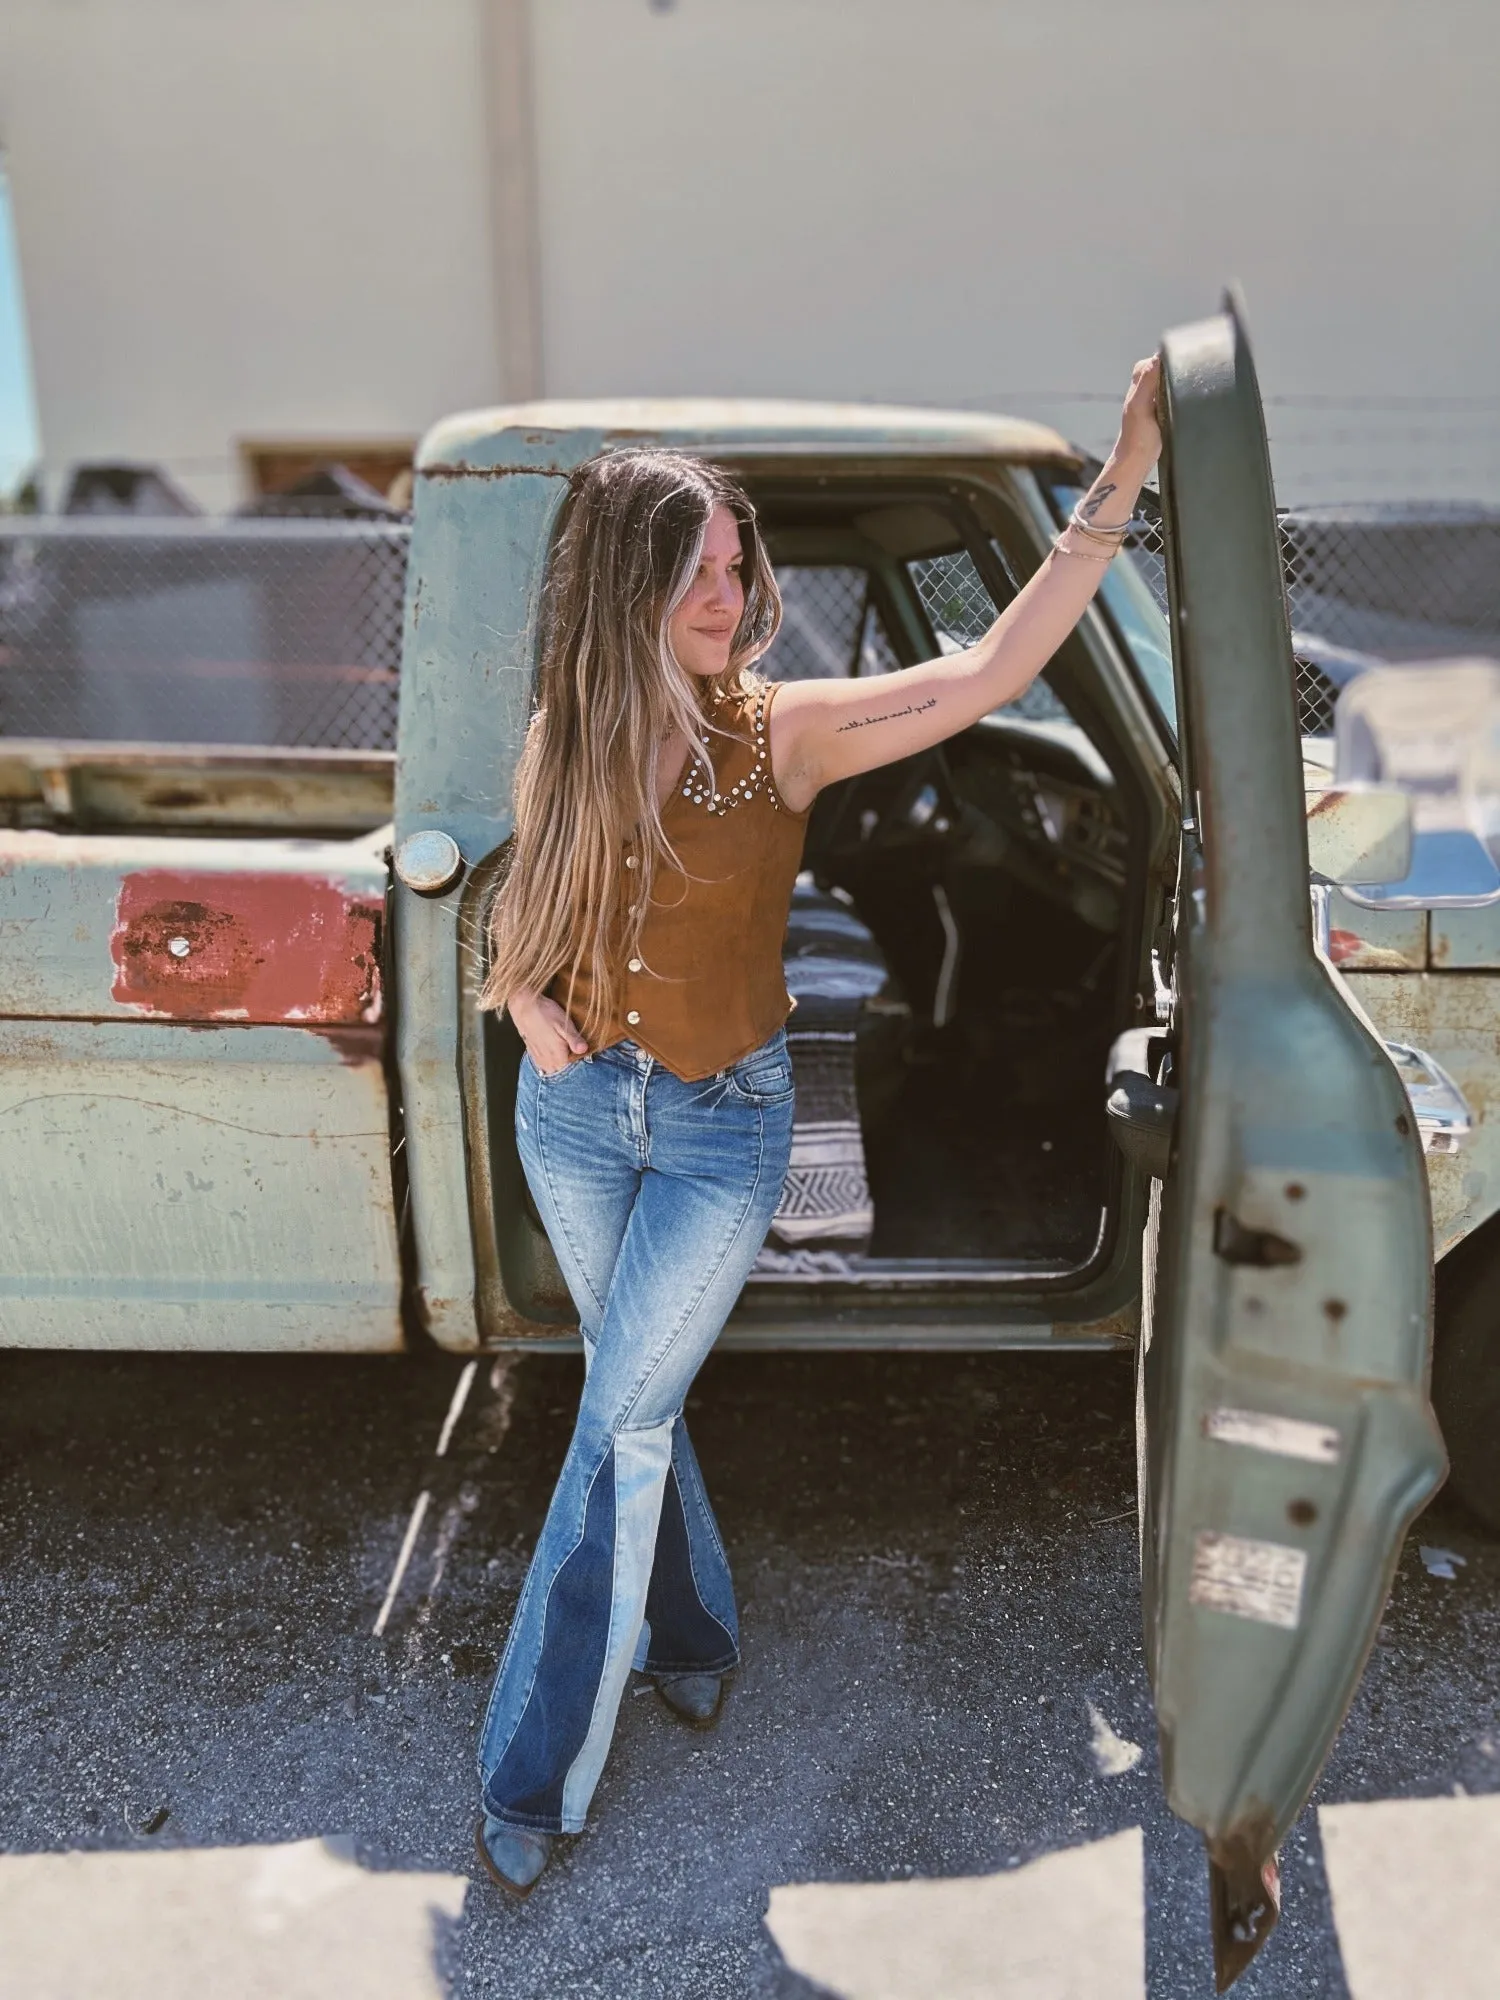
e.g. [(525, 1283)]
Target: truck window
[(830, 625)]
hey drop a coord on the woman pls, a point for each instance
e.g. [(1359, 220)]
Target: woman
[(661, 803)]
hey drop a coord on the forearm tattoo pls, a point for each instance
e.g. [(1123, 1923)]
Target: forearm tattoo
[(891, 715), (1096, 500)]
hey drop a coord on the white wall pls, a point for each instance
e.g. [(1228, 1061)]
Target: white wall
[(981, 200), (261, 218), (272, 217)]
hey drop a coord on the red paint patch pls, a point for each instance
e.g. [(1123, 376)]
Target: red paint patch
[(1343, 945), (273, 949)]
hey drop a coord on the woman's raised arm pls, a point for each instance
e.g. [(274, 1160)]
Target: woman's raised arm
[(822, 731)]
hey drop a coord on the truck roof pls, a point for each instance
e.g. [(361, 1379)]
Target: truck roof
[(557, 435)]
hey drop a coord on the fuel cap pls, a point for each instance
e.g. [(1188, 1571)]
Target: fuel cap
[(429, 862)]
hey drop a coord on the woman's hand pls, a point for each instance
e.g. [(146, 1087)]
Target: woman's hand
[(551, 1039), (1140, 423)]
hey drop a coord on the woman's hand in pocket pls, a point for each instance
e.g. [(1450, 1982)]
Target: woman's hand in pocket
[(552, 1041)]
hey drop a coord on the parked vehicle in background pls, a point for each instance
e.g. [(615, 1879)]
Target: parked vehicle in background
[(245, 1088)]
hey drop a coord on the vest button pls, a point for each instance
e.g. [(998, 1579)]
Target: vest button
[(635, 965), (632, 1017)]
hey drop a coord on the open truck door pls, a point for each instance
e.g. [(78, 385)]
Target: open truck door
[(1285, 1435)]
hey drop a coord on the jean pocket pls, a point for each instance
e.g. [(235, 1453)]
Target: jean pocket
[(763, 1078), (549, 1075)]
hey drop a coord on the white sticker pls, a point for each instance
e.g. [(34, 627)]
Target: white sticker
[(1259, 1580), (1287, 1437)]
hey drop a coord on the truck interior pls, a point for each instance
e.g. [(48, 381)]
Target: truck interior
[(964, 936)]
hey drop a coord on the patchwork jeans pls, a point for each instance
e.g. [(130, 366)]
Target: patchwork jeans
[(657, 1195)]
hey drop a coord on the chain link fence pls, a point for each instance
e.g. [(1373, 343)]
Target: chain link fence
[(250, 632), (288, 632), (1371, 584)]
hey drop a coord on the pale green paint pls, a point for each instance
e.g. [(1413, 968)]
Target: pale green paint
[(1275, 1069), (547, 436), (1466, 940), (173, 1187), (477, 560)]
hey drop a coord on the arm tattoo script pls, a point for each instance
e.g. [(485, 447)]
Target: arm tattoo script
[(891, 715), (1096, 500)]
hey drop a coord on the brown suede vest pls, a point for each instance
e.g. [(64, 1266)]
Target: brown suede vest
[(707, 986)]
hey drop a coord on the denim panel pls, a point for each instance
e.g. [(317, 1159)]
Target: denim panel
[(657, 1195), (563, 1687), (691, 1625), (641, 1462)]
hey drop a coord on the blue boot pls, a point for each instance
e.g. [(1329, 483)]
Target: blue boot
[(696, 1699), (513, 1857)]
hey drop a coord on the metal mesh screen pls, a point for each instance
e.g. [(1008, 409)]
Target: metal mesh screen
[(830, 628), (961, 610), (1372, 584), (271, 632), (202, 631)]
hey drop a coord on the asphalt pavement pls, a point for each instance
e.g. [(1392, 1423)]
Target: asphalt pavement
[(936, 1773)]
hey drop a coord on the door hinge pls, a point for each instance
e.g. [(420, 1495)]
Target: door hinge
[(1261, 1247)]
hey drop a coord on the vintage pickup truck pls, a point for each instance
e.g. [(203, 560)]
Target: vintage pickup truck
[(247, 1101)]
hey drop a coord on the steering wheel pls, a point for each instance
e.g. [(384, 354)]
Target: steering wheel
[(903, 805)]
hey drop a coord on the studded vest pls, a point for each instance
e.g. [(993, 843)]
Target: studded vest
[(707, 987)]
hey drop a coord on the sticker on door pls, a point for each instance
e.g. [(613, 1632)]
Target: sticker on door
[(1249, 1579), (1286, 1437)]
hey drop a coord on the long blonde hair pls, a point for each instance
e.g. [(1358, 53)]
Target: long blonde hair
[(609, 694)]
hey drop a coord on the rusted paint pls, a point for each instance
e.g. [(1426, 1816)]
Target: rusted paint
[(507, 1325), (1123, 1326), (266, 948), (1244, 1894), (1365, 940), (1349, 949), (355, 1045), (1456, 1017), (98, 787)]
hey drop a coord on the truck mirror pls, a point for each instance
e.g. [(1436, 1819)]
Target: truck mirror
[(1430, 730)]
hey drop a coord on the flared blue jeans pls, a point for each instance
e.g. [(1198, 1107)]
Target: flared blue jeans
[(657, 1195)]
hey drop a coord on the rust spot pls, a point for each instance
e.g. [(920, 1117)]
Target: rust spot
[(1301, 1513), (263, 948), (1335, 1309), (174, 798), (1403, 1124), (1244, 1893), (355, 1045), (1295, 1191)]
